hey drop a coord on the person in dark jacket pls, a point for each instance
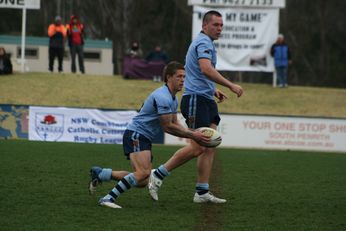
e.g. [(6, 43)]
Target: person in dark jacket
[(157, 55), (135, 51), (57, 37), (75, 31), (282, 58), (5, 63)]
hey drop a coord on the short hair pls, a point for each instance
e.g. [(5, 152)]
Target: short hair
[(171, 68), (207, 16)]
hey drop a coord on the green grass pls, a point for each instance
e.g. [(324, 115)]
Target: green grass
[(114, 92), (44, 187)]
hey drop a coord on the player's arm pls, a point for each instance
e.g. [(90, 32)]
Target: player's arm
[(170, 124), (209, 71)]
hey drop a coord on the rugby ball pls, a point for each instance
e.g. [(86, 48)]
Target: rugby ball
[(215, 137)]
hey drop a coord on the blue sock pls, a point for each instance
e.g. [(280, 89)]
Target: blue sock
[(105, 174), (161, 172), (202, 188), (122, 186)]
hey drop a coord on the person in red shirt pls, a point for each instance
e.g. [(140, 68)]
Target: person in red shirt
[(75, 31), (57, 37)]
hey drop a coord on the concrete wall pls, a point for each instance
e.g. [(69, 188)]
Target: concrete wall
[(39, 62)]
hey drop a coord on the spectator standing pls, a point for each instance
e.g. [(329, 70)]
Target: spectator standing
[(75, 32), (157, 55), (282, 58), (5, 63), (135, 50), (57, 37)]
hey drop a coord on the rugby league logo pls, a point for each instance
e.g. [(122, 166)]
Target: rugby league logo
[(50, 127)]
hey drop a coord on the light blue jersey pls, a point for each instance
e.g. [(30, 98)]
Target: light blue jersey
[(195, 81), (158, 103)]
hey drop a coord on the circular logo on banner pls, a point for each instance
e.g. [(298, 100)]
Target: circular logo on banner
[(50, 127)]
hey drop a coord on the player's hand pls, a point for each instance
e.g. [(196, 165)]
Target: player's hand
[(198, 136), (220, 96), (238, 90)]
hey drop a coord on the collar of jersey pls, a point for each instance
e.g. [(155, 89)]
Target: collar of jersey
[(173, 97), (202, 32)]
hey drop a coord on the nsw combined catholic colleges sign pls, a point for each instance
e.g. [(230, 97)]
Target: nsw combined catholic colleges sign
[(20, 4), (78, 125)]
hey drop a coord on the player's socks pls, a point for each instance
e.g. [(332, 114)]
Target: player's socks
[(105, 174), (122, 186), (202, 188), (161, 172)]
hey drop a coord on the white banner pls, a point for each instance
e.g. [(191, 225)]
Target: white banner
[(78, 125), (272, 132), (240, 3), (246, 39), (20, 4)]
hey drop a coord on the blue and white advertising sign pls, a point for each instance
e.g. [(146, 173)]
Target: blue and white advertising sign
[(78, 125)]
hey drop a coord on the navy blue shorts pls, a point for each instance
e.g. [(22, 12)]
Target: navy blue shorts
[(199, 111), (135, 142)]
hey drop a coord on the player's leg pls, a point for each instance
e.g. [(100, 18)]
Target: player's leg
[(183, 155), (205, 163), (179, 158), (141, 162), (204, 170), (206, 115), (99, 175), (118, 175), (137, 148)]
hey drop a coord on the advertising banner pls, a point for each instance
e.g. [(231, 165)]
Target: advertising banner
[(78, 125), (20, 4), (246, 39), (274, 132), (240, 3)]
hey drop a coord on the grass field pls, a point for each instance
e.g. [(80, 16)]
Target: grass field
[(44, 187), (44, 184), (70, 90)]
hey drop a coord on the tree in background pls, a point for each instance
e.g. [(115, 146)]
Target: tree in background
[(316, 31), (313, 28)]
